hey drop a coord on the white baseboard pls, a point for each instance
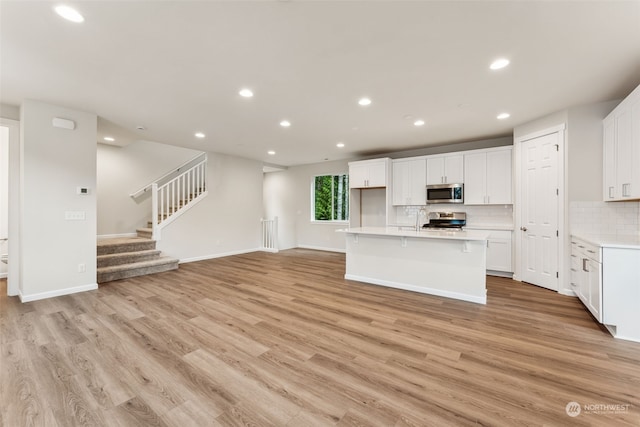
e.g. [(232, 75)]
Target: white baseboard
[(115, 236), (420, 289), (499, 274), (273, 251), (567, 292), (321, 248), (220, 255), (58, 292)]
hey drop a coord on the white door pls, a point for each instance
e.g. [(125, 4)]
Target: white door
[(539, 221)]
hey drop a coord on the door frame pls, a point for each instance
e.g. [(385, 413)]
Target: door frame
[(563, 225), (13, 270)]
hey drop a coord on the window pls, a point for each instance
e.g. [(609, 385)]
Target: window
[(330, 200)]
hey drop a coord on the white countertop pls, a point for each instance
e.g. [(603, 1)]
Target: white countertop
[(611, 240), (422, 234)]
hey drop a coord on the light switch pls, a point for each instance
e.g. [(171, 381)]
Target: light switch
[(74, 215)]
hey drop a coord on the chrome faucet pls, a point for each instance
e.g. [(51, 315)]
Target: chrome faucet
[(418, 212)]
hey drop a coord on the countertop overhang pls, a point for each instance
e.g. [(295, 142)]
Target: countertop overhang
[(421, 234)]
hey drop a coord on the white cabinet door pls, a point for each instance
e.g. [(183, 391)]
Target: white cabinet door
[(445, 169), (454, 169), (624, 161), (377, 174), (594, 283), (400, 183), (499, 254), (358, 175), (621, 142), (409, 182), (609, 159), (435, 170), (488, 177), (475, 170), (417, 182), (368, 173), (499, 177)]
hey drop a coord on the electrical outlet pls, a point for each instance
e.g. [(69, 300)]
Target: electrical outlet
[(82, 268)]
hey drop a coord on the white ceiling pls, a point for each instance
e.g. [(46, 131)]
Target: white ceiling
[(176, 67)]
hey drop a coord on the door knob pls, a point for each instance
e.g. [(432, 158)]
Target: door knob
[(523, 228)]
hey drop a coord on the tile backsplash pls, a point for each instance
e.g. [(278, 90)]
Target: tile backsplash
[(489, 214), (611, 218)]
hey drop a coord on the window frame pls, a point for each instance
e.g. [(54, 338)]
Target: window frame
[(313, 200)]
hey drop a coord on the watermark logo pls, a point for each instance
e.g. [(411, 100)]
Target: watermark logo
[(573, 409)]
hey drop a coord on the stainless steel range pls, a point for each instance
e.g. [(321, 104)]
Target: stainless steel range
[(450, 221)]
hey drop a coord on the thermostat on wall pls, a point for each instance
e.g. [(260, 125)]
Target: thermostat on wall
[(82, 190)]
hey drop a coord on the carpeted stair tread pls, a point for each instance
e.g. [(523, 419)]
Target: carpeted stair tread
[(146, 233), (124, 244), (123, 271), (127, 257)]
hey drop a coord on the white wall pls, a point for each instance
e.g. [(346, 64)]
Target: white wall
[(53, 163), (287, 195), (227, 221), (11, 112), (584, 150), (123, 170)]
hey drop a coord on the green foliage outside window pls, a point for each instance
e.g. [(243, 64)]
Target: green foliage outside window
[(331, 198)]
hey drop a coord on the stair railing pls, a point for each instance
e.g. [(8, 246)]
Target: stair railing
[(270, 234), (173, 198)]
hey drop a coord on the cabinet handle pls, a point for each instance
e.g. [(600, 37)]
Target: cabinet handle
[(625, 190), (573, 256), (488, 200), (611, 194), (584, 264), (445, 179), (589, 250)]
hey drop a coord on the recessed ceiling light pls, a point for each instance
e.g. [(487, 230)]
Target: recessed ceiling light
[(271, 152), (340, 144), (503, 116), (285, 123), (199, 135), (140, 127), (418, 123), (499, 63), (246, 93), (364, 101), (108, 138), (69, 13)]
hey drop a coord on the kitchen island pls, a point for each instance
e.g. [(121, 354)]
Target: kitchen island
[(445, 263)]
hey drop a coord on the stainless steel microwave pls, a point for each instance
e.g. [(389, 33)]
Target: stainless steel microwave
[(445, 193)]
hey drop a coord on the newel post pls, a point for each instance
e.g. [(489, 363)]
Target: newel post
[(154, 211)]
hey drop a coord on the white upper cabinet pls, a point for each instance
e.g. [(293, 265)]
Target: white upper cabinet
[(488, 177), (409, 181), (445, 169), (369, 173), (621, 154)]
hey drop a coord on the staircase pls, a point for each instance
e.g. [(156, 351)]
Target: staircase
[(125, 257), (172, 195)]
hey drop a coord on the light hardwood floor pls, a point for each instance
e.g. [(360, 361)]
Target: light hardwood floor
[(282, 339)]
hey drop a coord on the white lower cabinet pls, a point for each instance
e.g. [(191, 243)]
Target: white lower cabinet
[(605, 275), (586, 275), (499, 251)]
